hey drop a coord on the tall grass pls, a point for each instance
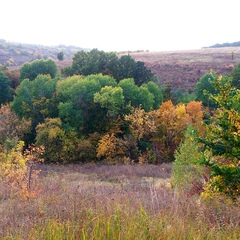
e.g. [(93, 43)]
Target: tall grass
[(114, 202)]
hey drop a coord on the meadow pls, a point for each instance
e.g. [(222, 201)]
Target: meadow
[(95, 201)]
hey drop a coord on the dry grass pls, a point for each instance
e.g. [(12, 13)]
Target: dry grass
[(113, 202)]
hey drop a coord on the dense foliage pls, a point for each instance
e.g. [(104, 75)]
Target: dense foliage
[(32, 70), (95, 61)]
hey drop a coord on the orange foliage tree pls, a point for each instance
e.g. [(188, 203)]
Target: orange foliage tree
[(172, 121)]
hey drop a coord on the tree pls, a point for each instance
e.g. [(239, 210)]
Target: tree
[(142, 127), (157, 93), (141, 123), (12, 129), (167, 92), (222, 140), (171, 122), (13, 77), (223, 136), (136, 96), (188, 174), (205, 85), (87, 63), (35, 99), (194, 109), (59, 145), (142, 74), (60, 56), (32, 70), (110, 98), (5, 95), (111, 148), (76, 102), (95, 61)]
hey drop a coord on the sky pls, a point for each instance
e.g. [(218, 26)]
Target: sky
[(121, 25)]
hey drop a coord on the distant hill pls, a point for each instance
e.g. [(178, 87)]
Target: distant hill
[(15, 54), (220, 45)]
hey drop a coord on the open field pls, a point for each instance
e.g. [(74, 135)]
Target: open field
[(112, 202)]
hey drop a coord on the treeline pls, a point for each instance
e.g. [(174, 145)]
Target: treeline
[(220, 45), (111, 109)]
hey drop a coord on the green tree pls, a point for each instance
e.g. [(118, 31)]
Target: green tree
[(205, 85), (157, 93), (110, 98), (5, 93), (77, 107), (142, 74), (87, 63), (60, 56), (36, 99), (183, 97), (167, 92), (136, 96), (95, 61), (32, 70), (222, 140), (144, 98)]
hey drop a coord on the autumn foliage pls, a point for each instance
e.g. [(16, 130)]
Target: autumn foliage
[(172, 121)]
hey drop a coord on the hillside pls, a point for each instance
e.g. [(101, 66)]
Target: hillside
[(15, 54), (184, 68)]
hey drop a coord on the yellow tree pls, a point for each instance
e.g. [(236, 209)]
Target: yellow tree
[(141, 123), (171, 121), (194, 109), (111, 148), (142, 126)]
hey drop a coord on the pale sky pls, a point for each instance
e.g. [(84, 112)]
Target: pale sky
[(121, 25)]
